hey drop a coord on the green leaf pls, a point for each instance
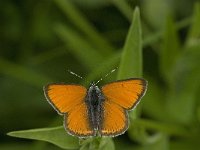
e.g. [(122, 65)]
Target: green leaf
[(79, 47), (56, 135), (97, 143), (194, 32), (106, 144), (80, 21), (170, 49), (131, 59)]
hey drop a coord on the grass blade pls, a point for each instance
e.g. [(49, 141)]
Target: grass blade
[(194, 32), (131, 59), (170, 49)]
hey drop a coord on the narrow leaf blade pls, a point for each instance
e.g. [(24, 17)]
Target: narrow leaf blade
[(194, 32), (169, 49), (131, 59), (56, 135)]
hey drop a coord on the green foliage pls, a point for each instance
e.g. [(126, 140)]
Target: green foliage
[(40, 40), (71, 38), (170, 49), (81, 22), (55, 135), (22, 73), (129, 67), (193, 37), (98, 143), (184, 86), (131, 59)]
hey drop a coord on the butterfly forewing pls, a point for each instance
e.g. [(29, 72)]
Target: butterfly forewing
[(125, 93), (65, 97)]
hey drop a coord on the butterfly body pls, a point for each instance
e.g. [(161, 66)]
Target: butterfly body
[(96, 111), (94, 100)]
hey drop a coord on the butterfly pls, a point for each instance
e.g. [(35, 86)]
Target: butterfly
[(96, 111)]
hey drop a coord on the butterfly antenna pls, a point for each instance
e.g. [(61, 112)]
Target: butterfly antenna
[(71, 72), (106, 75)]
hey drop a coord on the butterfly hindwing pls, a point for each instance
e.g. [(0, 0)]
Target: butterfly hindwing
[(125, 93), (70, 101), (115, 119), (77, 122)]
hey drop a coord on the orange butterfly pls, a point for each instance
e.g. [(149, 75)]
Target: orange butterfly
[(96, 111)]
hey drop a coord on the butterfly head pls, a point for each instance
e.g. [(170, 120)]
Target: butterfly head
[(93, 86)]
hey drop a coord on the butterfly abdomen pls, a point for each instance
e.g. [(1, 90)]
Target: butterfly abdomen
[(94, 100)]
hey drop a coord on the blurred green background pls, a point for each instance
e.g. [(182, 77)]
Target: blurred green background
[(41, 40)]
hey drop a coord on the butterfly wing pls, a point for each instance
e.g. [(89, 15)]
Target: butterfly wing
[(77, 122), (69, 100), (120, 96), (115, 119), (64, 97), (125, 93)]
